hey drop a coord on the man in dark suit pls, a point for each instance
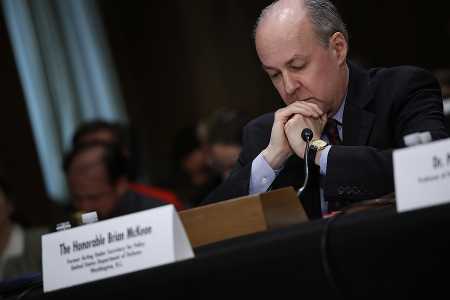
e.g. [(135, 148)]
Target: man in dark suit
[(357, 117)]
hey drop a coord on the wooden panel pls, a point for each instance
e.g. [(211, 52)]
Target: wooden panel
[(242, 216), (282, 208), (223, 220)]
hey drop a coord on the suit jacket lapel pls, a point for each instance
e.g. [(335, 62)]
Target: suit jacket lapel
[(357, 125), (357, 122)]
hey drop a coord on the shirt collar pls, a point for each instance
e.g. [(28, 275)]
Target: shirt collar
[(339, 115)]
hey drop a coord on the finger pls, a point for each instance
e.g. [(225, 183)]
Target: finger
[(324, 119), (296, 121), (300, 108), (297, 117), (290, 123), (284, 114), (299, 122), (312, 108)]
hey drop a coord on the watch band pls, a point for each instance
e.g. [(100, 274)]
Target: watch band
[(312, 155)]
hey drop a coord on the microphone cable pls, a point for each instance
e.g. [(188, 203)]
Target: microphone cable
[(26, 292), (307, 136)]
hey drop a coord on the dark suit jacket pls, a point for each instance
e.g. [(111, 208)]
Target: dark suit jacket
[(382, 106), (132, 202)]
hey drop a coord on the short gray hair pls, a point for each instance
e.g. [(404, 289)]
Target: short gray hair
[(324, 17)]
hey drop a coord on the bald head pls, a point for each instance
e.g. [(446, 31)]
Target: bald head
[(322, 14), (282, 10)]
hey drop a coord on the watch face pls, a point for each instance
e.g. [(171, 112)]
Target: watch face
[(313, 147), (318, 144)]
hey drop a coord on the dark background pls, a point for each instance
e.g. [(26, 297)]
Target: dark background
[(178, 61)]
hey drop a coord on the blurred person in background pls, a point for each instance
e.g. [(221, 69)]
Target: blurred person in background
[(20, 247), (114, 133), (224, 139), (97, 178), (119, 134), (191, 177)]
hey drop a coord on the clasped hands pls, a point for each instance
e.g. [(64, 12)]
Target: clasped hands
[(288, 125)]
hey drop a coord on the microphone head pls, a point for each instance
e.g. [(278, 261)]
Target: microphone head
[(307, 134)]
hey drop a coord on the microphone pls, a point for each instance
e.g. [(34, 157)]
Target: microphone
[(307, 136)]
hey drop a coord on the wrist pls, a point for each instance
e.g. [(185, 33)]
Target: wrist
[(317, 158), (275, 158)]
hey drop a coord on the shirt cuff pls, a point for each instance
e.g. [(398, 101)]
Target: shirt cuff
[(262, 175), (324, 160)]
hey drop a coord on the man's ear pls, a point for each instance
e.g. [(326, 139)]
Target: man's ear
[(339, 45)]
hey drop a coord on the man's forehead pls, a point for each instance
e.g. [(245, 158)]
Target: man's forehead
[(284, 12), (284, 23), (284, 45), (101, 135), (88, 158), (87, 168)]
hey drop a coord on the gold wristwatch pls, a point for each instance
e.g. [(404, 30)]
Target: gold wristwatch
[(314, 146), (318, 144)]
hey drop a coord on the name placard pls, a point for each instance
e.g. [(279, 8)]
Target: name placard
[(422, 175), (113, 247)]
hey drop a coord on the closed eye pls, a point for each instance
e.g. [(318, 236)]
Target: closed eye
[(297, 67), (274, 75)]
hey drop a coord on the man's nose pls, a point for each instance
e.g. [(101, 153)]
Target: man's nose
[(290, 84)]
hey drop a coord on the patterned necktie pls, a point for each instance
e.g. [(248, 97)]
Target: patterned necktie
[(332, 132)]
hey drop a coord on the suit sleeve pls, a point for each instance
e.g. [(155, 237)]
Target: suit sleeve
[(363, 172)]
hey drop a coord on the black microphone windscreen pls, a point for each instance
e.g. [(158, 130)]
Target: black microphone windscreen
[(307, 134)]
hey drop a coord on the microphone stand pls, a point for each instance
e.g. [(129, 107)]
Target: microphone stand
[(307, 136)]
